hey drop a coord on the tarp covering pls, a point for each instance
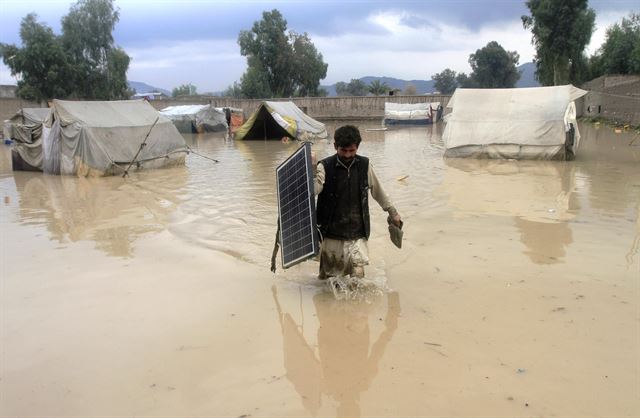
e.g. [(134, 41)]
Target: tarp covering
[(522, 123), (196, 118), (102, 138), (275, 120), (234, 116), (410, 113), (26, 125)]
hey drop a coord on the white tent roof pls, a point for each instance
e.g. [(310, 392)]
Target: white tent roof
[(388, 106), (524, 116), (183, 110)]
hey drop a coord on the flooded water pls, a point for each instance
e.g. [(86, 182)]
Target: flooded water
[(516, 292)]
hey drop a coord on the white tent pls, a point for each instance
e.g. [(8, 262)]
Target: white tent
[(274, 120), (196, 118), (410, 113), (103, 138), (525, 123)]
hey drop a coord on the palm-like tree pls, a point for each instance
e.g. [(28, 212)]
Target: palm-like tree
[(378, 88)]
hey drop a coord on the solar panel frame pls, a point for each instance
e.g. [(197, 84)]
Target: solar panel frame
[(296, 208)]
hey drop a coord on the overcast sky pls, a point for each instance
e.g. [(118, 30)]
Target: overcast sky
[(173, 42)]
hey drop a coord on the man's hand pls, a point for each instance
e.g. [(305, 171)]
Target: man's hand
[(314, 159), (397, 220)]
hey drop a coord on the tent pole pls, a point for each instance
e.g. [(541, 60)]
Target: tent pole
[(142, 145)]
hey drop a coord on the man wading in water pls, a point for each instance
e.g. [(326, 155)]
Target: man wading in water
[(342, 183)]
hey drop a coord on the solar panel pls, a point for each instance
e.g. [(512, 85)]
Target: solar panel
[(296, 207)]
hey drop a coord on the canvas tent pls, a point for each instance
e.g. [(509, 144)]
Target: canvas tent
[(275, 120), (26, 125), (25, 128), (103, 138), (411, 113), (523, 123), (196, 118)]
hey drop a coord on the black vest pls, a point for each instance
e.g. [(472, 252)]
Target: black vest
[(343, 206)]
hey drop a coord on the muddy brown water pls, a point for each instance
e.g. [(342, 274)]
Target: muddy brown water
[(516, 292)]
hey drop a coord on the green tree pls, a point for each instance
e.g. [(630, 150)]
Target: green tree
[(255, 84), (308, 65), (378, 88), (41, 63), (82, 62), (184, 90), (341, 89), (561, 30), (355, 87), (234, 91), (465, 81), (445, 81), (493, 67), (620, 52), (99, 66), (279, 64)]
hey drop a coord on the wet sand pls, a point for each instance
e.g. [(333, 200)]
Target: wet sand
[(516, 292)]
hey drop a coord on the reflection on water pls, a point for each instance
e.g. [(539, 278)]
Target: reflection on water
[(345, 362), (231, 207), (545, 242), (540, 191), (111, 211), (539, 195)]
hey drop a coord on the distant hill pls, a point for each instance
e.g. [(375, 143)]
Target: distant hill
[(527, 75), (141, 87), (527, 79)]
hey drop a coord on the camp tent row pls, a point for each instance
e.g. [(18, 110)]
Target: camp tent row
[(521, 123), (276, 120), (86, 138), (411, 113), (102, 138)]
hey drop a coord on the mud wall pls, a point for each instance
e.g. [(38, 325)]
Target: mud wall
[(10, 105), (367, 107), (614, 97)]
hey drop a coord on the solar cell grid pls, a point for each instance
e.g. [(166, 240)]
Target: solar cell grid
[(296, 207)]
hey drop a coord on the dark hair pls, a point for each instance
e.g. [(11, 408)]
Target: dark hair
[(347, 135)]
